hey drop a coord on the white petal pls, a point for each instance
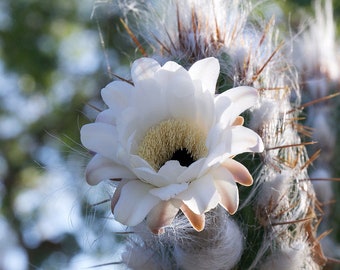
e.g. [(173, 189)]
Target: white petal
[(197, 221), (218, 142), (171, 171), (179, 93), (232, 102), (168, 192), (145, 172), (178, 82), (240, 172), (143, 69), (201, 195), (172, 66), (134, 203), (244, 140), (138, 162), (150, 176), (233, 141), (207, 71), (222, 103), (117, 192), (127, 127), (193, 171), (117, 94), (161, 215), (205, 108), (101, 168), (108, 116), (100, 138), (149, 103), (214, 136), (227, 189)]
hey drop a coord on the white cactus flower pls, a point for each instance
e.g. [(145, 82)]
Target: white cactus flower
[(171, 141)]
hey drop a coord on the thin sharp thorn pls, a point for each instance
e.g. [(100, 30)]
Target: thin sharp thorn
[(101, 202), (332, 261), (323, 235), (122, 79), (218, 33), (291, 222), (123, 233), (273, 88), (104, 264), (268, 60), (134, 38), (311, 159), (291, 145), (324, 179), (102, 44), (178, 24), (318, 100), (93, 107), (269, 24)]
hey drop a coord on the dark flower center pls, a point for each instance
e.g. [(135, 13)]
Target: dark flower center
[(183, 157)]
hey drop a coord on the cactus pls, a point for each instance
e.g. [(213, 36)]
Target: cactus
[(277, 221)]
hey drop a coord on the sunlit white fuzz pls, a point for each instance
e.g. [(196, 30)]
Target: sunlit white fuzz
[(191, 29), (171, 141), (317, 55), (295, 256)]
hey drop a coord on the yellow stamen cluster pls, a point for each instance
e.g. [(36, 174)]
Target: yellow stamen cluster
[(164, 139)]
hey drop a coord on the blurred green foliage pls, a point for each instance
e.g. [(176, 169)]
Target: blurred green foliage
[(30, 48)]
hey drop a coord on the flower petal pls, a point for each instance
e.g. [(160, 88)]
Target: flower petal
[(116, 194), (150, 176), (214, 137), (195, 170), (230, 142), (232, 102), (201, 195), (205, 108), (101, 168), (243, 140), (148, 99), (179, 92), (227, 189), (207, 71), (100, 138), (138, 162), (197, 221), (143, 69), (171, 171), (238, 121), (168, 192), (134, 203), (162, 215), (173, 67), (233, 141), (240, 172), (108, 116), (117, 94)]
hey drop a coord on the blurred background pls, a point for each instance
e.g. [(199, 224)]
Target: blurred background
[(55, 56)]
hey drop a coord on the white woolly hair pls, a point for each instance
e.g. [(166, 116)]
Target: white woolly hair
[(218, 246), (316, 53), (186, 30), (295, 256), (275, 202), (319, 65)]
